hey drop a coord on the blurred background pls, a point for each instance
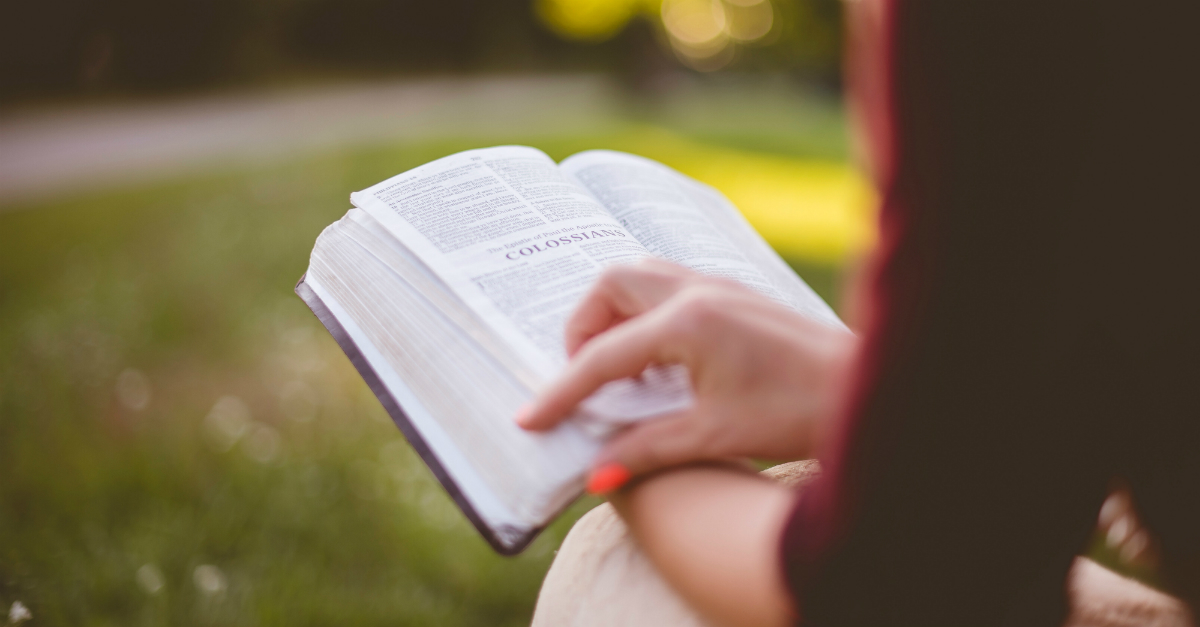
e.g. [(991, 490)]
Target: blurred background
[(180, 441)]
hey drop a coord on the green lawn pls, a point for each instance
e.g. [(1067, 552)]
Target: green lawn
[(132, 494)]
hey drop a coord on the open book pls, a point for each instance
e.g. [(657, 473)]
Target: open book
[(448, 287)]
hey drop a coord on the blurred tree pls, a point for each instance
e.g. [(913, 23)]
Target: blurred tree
[(71, 45), (65, 47), (43, 45), (411, 35), (169, 44)]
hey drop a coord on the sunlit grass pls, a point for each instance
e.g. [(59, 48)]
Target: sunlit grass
[(133, 494)]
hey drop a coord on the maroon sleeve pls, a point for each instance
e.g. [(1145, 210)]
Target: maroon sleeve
[(1033, 312)]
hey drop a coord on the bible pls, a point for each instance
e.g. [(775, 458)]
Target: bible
[(448, 287)]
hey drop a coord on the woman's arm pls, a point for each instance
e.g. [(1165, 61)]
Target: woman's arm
[(762, 375), (713, 533)]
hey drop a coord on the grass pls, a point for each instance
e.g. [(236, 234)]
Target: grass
[(181, 443)]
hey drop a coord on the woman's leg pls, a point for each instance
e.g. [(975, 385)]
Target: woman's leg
[(600, 577), (1102, 598)]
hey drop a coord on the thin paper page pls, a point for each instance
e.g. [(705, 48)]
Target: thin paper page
[(692, 224), (373, 236), (521, 245), (507, 233)]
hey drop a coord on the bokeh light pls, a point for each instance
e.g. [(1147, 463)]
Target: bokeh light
[(587, 20), (695, 23), (750, 20), (150, 579), (209, 580), (703, 34), (697, 32)]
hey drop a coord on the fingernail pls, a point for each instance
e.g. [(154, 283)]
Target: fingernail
[(523, 413), (607, 478)]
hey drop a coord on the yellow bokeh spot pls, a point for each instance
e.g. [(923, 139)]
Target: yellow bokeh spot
[(587, 20), (817, 210), (694, 22), (820, 211)]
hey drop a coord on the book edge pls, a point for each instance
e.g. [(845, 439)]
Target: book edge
[(400, 418)]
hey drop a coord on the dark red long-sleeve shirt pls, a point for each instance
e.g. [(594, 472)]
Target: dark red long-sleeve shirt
[(1035, 328)]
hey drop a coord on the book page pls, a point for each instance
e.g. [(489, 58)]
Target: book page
[(680, 219), (520, 244), (452, 390)]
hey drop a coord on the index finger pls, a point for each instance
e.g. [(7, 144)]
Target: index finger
[(621, 293), (623, 351)]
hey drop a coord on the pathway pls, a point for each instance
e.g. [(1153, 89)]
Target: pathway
[(44, 154)]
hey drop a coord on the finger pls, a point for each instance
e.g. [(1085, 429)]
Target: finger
[(1115, 506), (624, 351), (619, 294), (656, 443)]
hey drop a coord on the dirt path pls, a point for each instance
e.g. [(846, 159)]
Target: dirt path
[(44, 154)]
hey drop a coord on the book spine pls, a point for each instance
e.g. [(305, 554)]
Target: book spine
[(506, 541)]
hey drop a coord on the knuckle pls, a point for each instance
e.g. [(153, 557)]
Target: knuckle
[(576, 325), (662, 270), (589, 357), (721, 285), (699, 309), (654, 263), (710, 442), (662, 265), (611, 278), (652, 459), (595, 362), (653, 455)]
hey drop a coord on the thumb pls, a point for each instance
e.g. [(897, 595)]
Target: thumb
[(645, 447)]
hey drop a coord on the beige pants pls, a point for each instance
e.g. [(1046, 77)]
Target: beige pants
[(601, 578)]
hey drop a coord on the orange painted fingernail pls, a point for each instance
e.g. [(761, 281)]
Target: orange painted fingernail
[(607, 478)]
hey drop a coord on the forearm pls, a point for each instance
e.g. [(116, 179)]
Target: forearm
[(713, 532)]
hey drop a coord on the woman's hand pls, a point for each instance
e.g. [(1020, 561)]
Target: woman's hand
[(761, 373)]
